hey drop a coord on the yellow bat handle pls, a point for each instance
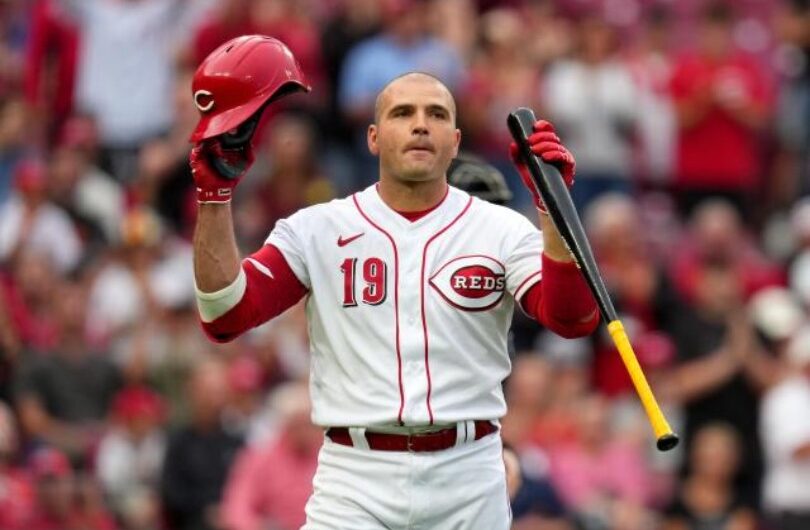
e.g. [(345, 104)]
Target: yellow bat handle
[(666, 439)]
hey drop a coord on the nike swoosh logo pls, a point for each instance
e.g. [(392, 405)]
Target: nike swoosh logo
[(343, 242)]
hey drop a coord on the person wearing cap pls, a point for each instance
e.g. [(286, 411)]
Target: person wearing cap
[(130, 454)]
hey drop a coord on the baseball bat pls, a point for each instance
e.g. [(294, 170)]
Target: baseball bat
[(554, 192)]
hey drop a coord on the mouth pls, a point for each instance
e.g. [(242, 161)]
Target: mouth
[(420, 148)]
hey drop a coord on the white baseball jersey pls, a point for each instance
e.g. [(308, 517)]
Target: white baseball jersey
[(408, 321)]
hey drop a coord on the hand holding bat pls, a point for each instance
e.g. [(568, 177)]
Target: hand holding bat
[(550, 190)]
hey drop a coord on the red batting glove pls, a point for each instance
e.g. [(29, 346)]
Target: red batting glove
[(544, 143), (212, 186)]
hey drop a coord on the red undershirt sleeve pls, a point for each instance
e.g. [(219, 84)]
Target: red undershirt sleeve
[(271, 288), (562, 300)]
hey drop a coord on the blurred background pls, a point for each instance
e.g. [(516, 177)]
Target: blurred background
[(690, 124)]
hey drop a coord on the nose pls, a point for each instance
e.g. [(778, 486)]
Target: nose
[(419, 126)]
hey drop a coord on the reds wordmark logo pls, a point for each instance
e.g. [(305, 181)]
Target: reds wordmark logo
[(471, 283)]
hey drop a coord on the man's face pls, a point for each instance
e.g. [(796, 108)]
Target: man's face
[(415, 135)]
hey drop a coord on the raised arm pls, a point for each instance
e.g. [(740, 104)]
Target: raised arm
[(216, 257)]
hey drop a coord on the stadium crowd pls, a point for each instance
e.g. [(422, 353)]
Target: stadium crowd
[(690, 124)]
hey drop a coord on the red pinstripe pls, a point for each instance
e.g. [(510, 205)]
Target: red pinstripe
[(422, 297), (396, 303)]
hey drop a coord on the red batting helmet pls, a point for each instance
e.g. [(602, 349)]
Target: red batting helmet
[(239, 78)]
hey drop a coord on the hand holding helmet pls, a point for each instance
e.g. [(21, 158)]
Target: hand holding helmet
[(231, 88)]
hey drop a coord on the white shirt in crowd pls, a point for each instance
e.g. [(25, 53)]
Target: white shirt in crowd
[(588, 104), (784, 427), (51, 234)]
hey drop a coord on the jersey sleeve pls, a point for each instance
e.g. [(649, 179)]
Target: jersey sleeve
[(288, 236), (265, 288), (522, 263)]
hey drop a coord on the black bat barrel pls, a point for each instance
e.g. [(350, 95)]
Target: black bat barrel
[(557, 200)]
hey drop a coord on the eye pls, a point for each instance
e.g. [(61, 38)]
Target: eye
[(439, 113)]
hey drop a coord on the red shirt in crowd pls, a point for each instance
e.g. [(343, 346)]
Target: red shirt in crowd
[(719, 151)]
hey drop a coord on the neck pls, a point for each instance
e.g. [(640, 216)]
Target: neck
[(411, 196)]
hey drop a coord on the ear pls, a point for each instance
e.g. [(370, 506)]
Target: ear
[(371, 138), (458, 143)]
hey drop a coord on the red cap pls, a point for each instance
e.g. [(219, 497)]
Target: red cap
[(137, 402)]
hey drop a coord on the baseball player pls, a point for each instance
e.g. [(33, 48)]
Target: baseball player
[(410, 286)]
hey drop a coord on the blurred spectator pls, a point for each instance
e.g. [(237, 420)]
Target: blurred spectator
[(651, 64), (707, 499), (173, 189), (450, 22), (799, 269), (355, 21), (130, 454), (592, 101), (639, 286), (291, 181), (550, 35), (200, 454), (535, 503), (528, 394), (244, 414), (270, 482), (501, 78), (63, 396), (785, 432), (51, 64), (61, 503), (791, 175), (28, 295), (721, 368), (722, 102), (29, 221), (17, 494), (10, 343), (149, 273), (570, 360), (14, 141), (116, 59), (12, 46), (603, 480), (76, 183), (716, 235)]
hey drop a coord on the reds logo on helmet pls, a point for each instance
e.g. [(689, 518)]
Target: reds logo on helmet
[(471, 283)]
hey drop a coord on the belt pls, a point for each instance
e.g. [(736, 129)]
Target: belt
[(417, 443)]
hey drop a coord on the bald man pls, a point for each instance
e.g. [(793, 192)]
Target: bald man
[(410, 287)]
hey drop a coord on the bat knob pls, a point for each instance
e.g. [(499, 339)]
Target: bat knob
[(667, 442)]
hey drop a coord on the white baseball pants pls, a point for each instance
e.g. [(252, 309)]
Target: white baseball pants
[(460, 488)]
